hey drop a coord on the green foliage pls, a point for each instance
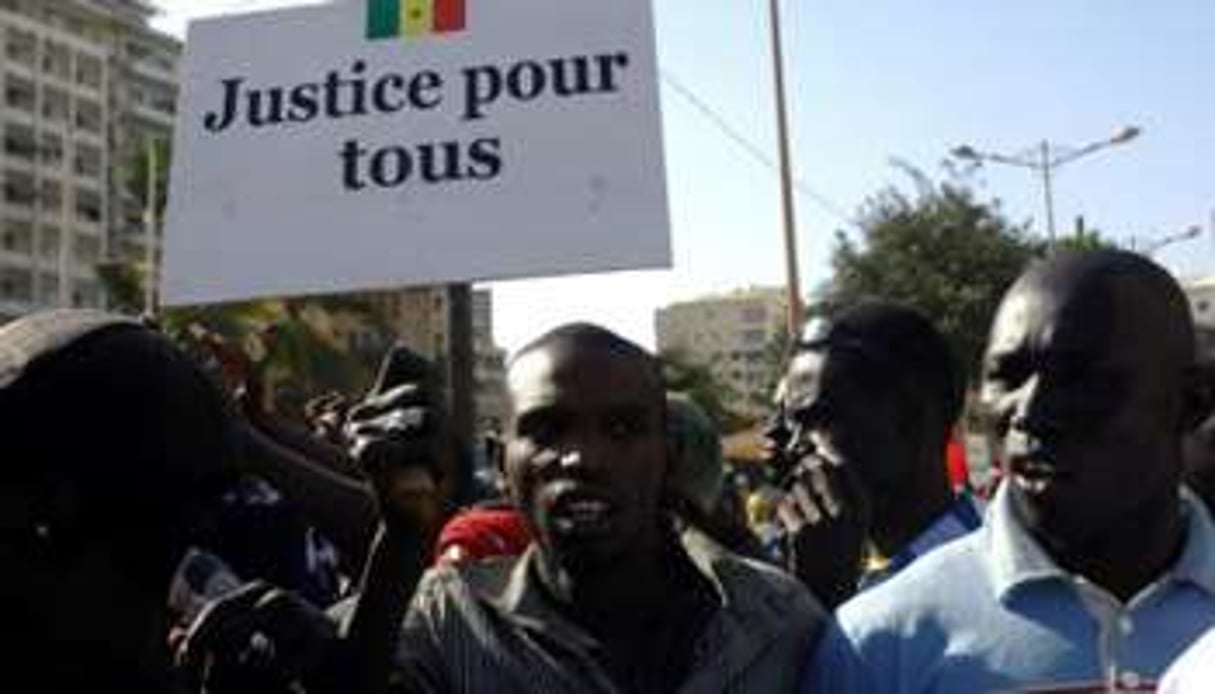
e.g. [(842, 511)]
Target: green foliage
[(1085, 240), (139, 165), (776, 360), (123, 283), (696, 381), (942, 252)]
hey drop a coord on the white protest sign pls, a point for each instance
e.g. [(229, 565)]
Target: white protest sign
[(380, 143)]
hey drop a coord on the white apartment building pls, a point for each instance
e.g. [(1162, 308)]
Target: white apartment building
[(730, 334), (87, 86)]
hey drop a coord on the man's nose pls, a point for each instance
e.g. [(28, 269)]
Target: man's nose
[(1034, 410), (581, 454)]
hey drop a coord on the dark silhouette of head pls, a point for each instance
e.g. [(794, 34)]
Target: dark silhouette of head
[(1090, 377), (115, 441), (878, 389)]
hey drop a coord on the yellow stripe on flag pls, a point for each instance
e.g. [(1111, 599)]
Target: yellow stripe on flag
[(417, 17)]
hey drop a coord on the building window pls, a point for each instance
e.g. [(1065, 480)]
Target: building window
[(19, 189), (16, 284), (17, 237), (88, 71), (47, 289), (20, 142), (88, 205), (51, 149), (48, 243), (21, 47), (754, 314), (86, 294), (56, 105), (87, 161), (20, 93), (88, 116), (86, 250), (52, 195), (754, 337), (57, 61)]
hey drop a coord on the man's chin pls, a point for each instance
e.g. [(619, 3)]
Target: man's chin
[(1058, 523)]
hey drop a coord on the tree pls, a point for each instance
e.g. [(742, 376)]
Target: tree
[(123, 283), (697, 382), (942, 252)]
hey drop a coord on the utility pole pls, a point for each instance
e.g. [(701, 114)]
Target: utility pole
[(1048, 192), (460, 383), (796, 313)]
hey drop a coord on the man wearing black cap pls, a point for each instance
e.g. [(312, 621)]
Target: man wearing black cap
[(113, 445)]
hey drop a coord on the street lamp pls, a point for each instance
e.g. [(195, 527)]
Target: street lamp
[(1153, 246), (1043, 160)]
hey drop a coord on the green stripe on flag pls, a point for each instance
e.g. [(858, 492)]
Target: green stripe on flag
[(383, 19)]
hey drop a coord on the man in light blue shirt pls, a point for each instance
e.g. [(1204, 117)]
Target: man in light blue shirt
[(1092, 569)]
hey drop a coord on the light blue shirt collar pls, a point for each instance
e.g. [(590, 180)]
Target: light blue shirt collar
[(1016, 559)]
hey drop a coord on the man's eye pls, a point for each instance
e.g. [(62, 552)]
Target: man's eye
[(539, 430), (624, 428)]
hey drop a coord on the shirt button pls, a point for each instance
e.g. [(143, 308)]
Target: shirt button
[(1130, 680), (1125, 626)]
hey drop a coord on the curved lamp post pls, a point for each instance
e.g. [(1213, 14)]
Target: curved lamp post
[(1043, 160)]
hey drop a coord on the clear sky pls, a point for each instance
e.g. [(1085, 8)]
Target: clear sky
[(909, 79)]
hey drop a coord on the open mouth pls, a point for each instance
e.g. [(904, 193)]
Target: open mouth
[(1034, 474), (575, 509)]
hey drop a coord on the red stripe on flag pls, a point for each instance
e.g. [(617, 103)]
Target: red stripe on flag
[(449, 15)]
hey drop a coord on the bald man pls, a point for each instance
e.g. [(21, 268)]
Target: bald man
[(1093, 569)]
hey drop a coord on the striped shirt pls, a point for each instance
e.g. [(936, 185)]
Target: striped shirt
[(490, 626)]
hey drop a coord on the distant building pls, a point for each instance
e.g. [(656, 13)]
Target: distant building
[(88, 85), (417, 317), (1201, 294), (732, 335), (489, 371)]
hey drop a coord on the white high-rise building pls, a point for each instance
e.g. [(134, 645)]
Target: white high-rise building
[(88, 86)]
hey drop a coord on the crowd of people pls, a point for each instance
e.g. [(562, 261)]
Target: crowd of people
[(164, 532)]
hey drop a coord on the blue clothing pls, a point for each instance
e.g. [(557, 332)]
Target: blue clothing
[(960, 518), (993, 612), (1194, 671)]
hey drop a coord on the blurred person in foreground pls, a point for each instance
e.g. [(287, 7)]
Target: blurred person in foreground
[(114, 443)]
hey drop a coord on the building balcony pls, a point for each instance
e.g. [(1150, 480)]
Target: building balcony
[(157, 117), (149, 70)]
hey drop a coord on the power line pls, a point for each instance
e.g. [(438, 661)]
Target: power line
[(751, 148)]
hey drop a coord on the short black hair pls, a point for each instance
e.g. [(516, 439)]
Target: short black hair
[(589, 335), (903, 340)]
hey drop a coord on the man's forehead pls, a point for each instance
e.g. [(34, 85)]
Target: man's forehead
[(1070, 315), (543, 375)]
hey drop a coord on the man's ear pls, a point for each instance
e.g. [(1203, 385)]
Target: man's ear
[(1198, 396)]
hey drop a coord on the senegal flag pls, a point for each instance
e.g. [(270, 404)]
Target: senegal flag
[(388, 19)]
